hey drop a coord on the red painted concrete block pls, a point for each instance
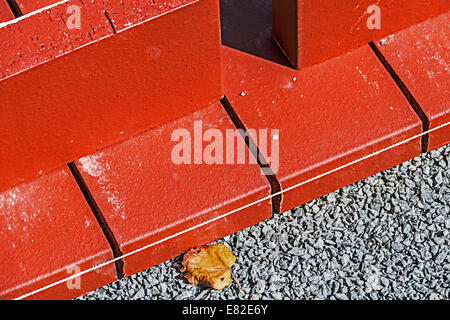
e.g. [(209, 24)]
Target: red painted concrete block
[(5, 12), (329, 116), (67, 93), (48, 234), (35, 40), (420, 57), (312, 31), (161, 209), (28, 6), (125, 14)]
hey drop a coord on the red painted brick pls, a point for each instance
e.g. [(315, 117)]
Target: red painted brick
[(27, 6), (314, 31), (5, 12), (127, 13), (47, 226), (122, 10), (328, 116), (106, 90), (39, 38), (420, 56), (146, 198)]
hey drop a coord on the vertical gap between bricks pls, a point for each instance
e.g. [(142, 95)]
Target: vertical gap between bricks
[(408, 95), (117, 252), (110, 22), (271, 177), (14, 8)]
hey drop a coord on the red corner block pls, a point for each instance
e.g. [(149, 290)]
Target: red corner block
[(329, 117), (68, 92), (158, 209), (48, 233), (5, 12), (420, 56), (312, 31)]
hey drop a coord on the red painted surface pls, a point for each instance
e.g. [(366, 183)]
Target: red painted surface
[(127, 13), (42, 37), (5, 12), (328, 116), (312, 31), (120, 9), (27, 6), (47, 226), (420, 55), (105, 92), (145, 197)]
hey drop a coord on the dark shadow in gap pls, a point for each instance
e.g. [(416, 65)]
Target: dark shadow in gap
[(247, 26), (14, 8), (408, 95), (271, 177), (117, 252)]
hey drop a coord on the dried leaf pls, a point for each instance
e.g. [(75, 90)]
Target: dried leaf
[(209, 266)]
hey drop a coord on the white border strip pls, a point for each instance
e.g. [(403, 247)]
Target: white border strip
[(228, 213)]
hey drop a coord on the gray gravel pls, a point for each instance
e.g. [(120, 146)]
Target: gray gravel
[(386, 237)]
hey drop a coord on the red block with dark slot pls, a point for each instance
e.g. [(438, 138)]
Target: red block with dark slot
[(334, 119), (420, 56), (158, 209)]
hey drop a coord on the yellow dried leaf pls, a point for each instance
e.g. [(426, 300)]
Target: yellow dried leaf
[(209, 266)]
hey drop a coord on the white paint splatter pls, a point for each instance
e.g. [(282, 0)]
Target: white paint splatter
[(92, 166), (288, 85), (387, 40), (366, 79)]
